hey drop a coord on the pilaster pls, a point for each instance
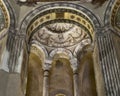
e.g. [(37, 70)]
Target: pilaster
[(108, 63)]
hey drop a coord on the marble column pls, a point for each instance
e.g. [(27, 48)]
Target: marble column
[(74, 65), (109, 63), (46, 68)]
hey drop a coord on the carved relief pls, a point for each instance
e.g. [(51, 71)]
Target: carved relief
[(66, 39), (59, 27)]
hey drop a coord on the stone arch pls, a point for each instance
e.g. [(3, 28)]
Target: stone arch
[(86, 75), (34, 82), (80, 16), (38, 51), (107, 12), (4, 33), (42, 48), (67, 53), (83, 13), (61, 71), (81, 46)]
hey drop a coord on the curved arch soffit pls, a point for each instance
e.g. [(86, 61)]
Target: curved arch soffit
[(6, 15), (36, 43), (59, 12), (38, 51), (81, 46), (65, 53)]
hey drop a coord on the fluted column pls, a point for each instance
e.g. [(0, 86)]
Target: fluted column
[(14, 48), (74, 65), (46, 68), (12, 63), (109, 64)]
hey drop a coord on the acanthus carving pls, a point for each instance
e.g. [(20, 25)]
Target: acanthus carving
[(59, 27), (66, 39)]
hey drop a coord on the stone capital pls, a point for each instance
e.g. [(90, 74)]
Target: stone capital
[(47, 65)]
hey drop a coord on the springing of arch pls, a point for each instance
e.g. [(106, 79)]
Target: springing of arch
[(38, 51)]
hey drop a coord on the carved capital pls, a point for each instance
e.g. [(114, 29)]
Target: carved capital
[(47, 65)]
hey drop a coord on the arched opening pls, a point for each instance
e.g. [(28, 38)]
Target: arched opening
[(61, 29), (35, 72), (87, 74), (61, 80)]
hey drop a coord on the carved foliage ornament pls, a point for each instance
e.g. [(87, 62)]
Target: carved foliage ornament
[(66, 39), (59, 27)]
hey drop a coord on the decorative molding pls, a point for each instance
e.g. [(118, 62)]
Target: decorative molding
[(38, 51), (67, 53), (43, 11), (69, 16), (40, 46), (81, 45)]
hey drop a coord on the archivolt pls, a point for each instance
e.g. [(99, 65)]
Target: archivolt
[(49, 13), (6, 18)]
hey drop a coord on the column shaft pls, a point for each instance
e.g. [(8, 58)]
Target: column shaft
[(74, 66), (46, 83), (76, 86)]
